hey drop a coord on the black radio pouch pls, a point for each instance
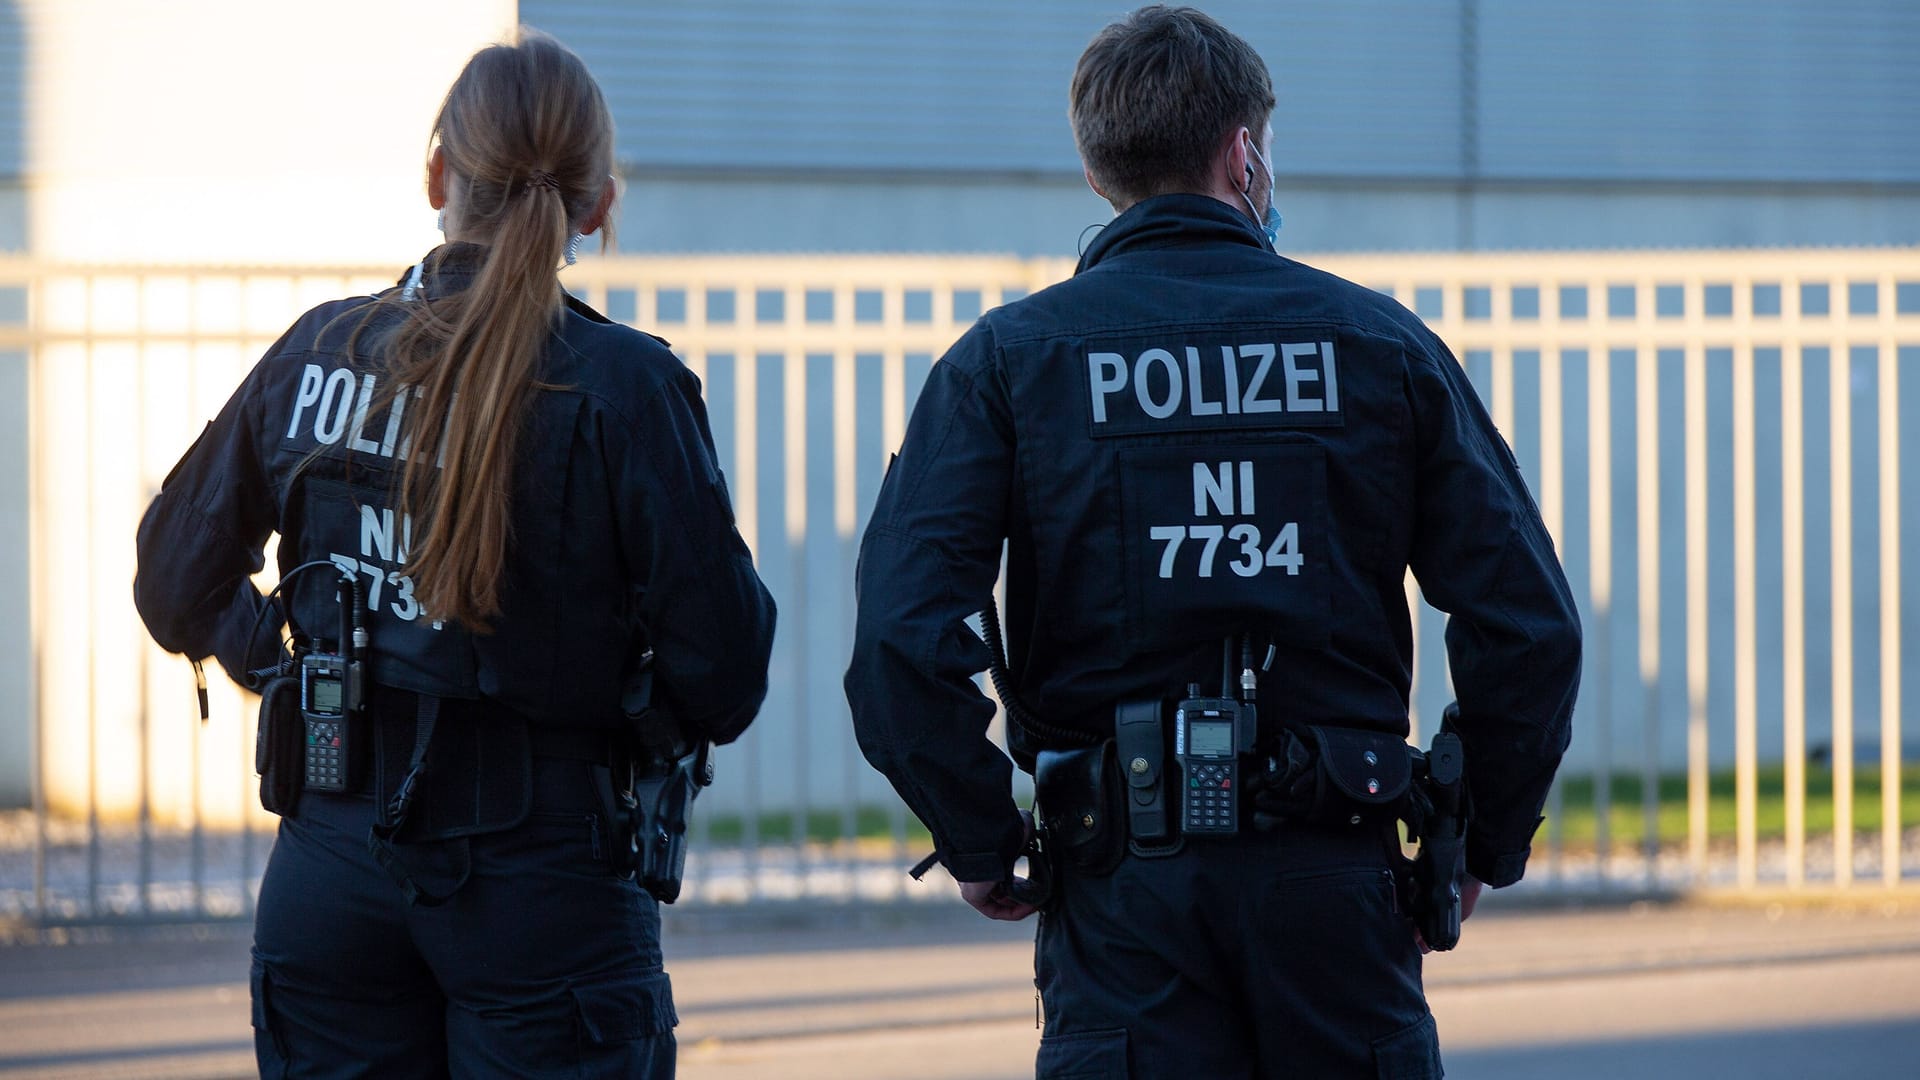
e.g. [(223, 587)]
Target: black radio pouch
[(1139, 734), (1078, 797), (1362, 775), (278, 755)]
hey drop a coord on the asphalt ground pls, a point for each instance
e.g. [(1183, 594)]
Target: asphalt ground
[(1647, 991)]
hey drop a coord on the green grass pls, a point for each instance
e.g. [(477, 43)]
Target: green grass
[(1626, 818), (823, 826)]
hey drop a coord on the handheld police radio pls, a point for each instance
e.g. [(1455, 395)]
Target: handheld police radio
[(1209, 735), (332, 687), (1206, 740)]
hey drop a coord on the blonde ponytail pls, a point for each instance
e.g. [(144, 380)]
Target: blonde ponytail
[(528, 134)]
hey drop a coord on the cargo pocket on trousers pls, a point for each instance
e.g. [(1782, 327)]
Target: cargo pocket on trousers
[(627, 1022), (269, 1049), (1083, 1055), (1412, 1053)]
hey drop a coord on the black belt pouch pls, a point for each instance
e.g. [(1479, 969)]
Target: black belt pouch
[(278, 749), (1363, 775), (1078, 796)]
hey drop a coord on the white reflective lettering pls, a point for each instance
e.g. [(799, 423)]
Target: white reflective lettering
[(1246, 487), (310, 379), (406, 444), (394, 412), (1209, 488), (376, 533), (354, 440), (336, 401), (1159, 410), (1331, 376), (1295, 375), (1253, 402), (1201, 406), (1106, 373), (1231, 364)]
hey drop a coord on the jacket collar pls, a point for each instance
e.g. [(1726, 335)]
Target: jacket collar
[(1172, 221), (451, 268), (446, 269)]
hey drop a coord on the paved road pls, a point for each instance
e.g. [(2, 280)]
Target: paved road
[(1648, 992)]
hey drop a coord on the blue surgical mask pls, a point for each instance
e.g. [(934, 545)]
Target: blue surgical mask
[(1271, 223)]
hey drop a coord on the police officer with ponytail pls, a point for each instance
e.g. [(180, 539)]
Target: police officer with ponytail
[(1210, 468), (511, 593)]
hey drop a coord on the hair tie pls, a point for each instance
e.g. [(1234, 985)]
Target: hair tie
[(541, 178)]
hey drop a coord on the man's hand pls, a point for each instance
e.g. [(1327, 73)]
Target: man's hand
[(992, 899), (995, 899), (1470, 887)]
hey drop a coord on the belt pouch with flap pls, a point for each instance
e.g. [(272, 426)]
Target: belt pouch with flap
[(1363, 775), (1080, 807), (1139, 732)]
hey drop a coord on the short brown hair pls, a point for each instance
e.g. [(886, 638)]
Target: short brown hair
[(1152, 96)]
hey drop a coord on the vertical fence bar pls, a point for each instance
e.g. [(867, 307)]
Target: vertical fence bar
[(1600, 544), (794, 500), (1698, 776), (1553, 515), (1745, 674), (1891, 775), (1411, 587), (198, 858), (746, 434), (846, 515), (1647, 518), (37, 417), (91, 624), (893, 429), (1793, 607), (1840, 383), (141, 648)]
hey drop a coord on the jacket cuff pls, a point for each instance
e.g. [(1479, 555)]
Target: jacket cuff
[(1498, 864), (977, 866)]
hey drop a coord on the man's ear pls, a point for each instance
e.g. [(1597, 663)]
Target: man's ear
[(1239, 163), (437, 179), (1088, 173)]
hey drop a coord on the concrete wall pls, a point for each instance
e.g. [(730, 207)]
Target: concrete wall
[(1045, 215)]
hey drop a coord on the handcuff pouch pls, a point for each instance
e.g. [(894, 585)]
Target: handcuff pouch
[(1078, 798)]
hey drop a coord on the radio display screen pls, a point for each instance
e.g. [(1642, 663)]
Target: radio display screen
[(324, 693), (1210, 738)]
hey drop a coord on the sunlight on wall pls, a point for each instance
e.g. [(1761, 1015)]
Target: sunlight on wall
[(219, 132)]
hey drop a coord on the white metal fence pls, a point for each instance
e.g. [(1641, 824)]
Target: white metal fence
[(1715, 439)]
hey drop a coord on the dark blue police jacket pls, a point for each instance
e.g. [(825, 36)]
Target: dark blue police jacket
[(1194, 437), (622, 530)]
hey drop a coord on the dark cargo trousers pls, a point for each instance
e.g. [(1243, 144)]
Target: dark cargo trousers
[(1276, 954), (542, 964)]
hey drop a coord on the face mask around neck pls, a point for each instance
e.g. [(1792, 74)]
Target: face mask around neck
[(1270, 224)]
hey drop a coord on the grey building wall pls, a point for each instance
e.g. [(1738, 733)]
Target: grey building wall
[(719, 212), (853, 125)]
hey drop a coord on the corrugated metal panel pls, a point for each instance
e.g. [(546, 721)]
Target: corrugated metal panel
[(1366, 88), (1701, 90), (13, 91)]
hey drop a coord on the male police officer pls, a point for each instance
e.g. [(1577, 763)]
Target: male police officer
[(1194, 443)]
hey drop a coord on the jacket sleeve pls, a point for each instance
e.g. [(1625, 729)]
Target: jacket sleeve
[(200, 544), (709, 618), (929, 560), (1482, 554)]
